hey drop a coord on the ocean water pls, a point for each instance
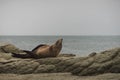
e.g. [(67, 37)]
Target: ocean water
[(79, 45)]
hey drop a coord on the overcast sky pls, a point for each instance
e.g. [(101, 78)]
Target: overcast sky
[(59, 17)]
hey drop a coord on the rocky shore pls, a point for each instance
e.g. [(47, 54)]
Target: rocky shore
[(94, 64)]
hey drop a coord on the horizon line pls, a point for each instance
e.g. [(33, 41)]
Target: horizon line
[(60, 35)]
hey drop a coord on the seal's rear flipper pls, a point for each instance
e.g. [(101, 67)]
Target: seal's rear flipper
[(21, 55), (29, 53)]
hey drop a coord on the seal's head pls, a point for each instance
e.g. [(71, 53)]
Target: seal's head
[(59, 42), (56, 48)]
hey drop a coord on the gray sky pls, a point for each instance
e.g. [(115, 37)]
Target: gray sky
[(59, 17)]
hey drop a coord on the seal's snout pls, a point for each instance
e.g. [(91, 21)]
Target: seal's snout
[(59, 41)]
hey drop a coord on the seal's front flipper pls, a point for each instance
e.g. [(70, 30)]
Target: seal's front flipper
[(41, 45), (21, 55)]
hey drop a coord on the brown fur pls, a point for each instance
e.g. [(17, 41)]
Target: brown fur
[(42, 51)]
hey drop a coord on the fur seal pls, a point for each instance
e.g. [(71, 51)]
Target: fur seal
[(42, 51)]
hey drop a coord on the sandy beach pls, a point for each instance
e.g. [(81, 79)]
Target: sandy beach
[(58, 76)]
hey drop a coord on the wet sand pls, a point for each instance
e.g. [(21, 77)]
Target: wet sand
[(58, 76)]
